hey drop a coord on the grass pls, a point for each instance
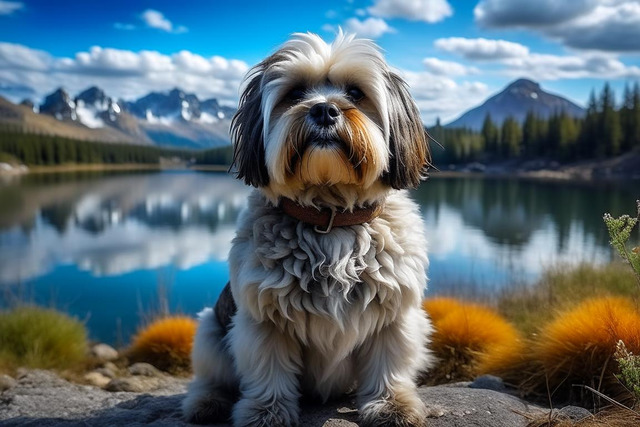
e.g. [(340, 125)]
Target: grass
[(465, 333), (563, 287), (166, 343), (35, 337)]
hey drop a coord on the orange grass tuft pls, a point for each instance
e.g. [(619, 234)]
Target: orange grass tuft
[(439, 307), (465, 334), (578, 346), (166, 343)]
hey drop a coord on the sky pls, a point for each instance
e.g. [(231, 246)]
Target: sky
[(453, 54)]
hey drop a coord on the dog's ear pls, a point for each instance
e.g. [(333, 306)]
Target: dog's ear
[(247, 133), (408, 139)]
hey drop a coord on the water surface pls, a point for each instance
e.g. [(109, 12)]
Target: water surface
[(115, 248)]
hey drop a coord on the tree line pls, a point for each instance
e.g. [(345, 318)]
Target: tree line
[(38, 149), (606, 130)]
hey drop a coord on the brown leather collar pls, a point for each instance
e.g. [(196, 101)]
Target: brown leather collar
[(326, 218)]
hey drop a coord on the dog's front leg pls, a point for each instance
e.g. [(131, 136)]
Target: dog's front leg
[(267, 363), (387, 365)]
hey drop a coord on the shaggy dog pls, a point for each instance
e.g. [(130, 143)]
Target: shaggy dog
[(328, 264)]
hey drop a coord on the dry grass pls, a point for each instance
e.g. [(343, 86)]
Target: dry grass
[(465, 334), (35, 337), (578, 346), (560, 288), (166, 343)]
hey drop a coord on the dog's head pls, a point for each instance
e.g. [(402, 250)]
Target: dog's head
[(324, 115)]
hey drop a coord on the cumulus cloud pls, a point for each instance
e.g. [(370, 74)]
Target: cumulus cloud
[(606, 25), (430, 11), (481, 48), (122, 73), (442, 97), (370, 27), (8, 7), (448, 68), (553, 67), (156, 19)]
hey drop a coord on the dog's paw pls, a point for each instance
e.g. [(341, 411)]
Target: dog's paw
[(212, 407), (248, 412), (393, 413)]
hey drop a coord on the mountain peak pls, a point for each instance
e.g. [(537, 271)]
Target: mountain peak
[(516, 100), (524, 84)]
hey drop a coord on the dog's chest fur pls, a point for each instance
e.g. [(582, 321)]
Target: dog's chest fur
[(328, 291)]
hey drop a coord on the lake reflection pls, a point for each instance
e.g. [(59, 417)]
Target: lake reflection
[(113, 248)]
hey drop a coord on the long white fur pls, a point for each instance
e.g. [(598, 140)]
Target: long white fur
[(320, 313)]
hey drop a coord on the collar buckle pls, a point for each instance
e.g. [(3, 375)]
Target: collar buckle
[(326, 230)]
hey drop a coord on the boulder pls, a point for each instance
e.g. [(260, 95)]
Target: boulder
[(41, 398)]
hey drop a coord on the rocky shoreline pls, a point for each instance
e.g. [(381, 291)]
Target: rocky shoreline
[(42, 398)]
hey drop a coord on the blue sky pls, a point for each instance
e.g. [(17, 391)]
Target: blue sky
[(454, 54)]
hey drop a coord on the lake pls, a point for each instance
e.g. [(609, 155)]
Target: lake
[(113, 249)]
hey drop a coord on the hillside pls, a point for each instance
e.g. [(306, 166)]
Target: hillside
[(516, 100)]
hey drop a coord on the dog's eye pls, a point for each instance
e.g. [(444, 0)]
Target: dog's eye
[(296, 94), (354, 93)]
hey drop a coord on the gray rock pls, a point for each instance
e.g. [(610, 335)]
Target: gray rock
[(488, 382), (104, 352), (42, 399), (144, 369), (574, 413), (134, 384), (6, 382)]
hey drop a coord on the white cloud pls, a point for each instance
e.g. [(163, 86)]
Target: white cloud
[(121, 73), (448, 68), (370, 27), (605, 25), (553, 67), (8, 7), (441, 96), (156, 19), (481, 48), (19, 57), (414, 10)]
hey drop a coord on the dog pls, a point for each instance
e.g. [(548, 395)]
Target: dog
[(328, 266)]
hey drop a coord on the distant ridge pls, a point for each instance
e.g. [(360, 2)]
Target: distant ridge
[(516, 100), (170, 119)]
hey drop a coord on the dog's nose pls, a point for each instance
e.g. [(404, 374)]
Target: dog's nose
[(324, 114)]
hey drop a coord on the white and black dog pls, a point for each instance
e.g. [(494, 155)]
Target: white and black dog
[(327, 270)]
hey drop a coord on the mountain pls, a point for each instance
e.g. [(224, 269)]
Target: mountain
[(516, 100), (173, 119)]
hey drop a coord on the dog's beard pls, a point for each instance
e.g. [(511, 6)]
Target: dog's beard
[(352, 152)]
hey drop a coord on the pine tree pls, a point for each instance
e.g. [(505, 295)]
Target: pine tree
[(490, 135), (511, 138), (611, 130), (590, 129)]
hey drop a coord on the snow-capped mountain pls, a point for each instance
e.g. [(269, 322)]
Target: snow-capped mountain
[(516, 100), (175, 118), (166, 108)]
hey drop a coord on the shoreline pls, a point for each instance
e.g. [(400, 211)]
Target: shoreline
[(99, 167)]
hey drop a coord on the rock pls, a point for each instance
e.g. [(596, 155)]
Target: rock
[(40, 398), (6, 382), (144, 369), (488, 382), (136, 384), (107, 372), (574, 413), (104, 352), (97, 379)]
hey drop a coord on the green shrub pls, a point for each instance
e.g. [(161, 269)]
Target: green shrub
[(35, 337), (620, 231)]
